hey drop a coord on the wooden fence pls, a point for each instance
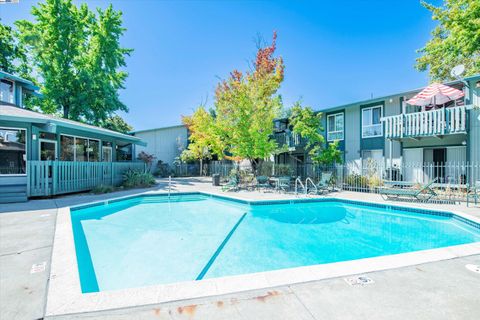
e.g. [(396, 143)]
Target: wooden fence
[(46, 178)]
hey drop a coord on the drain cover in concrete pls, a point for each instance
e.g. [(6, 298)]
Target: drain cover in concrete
[(473, 267), (39, 267), (359, 280)]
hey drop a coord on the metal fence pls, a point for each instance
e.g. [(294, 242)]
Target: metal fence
[(193, 169), (452, 178)]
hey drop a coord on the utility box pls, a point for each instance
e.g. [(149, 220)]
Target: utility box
[(215, 179)]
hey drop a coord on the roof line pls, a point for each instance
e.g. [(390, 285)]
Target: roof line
[(158, 128), (393, 94)]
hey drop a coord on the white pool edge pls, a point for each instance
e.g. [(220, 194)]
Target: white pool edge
[(65, 295)]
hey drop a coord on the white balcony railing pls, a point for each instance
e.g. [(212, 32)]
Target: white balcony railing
[(428, 123)]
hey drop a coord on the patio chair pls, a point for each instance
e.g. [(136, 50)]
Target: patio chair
[(425, 193), (284, 183), (473, 193), (232, 184), (324, 184), (262, 183)]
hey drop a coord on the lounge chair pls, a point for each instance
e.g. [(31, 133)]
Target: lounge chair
[(232, 184), (262, 183), (473, 193), (425, 193), (324, 184), (284, 183)]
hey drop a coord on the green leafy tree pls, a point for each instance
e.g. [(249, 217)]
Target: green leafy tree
[(246, 105), (116, 123), (456, 39), (13, 56), (308, 124), (77, 54), (204, 141)]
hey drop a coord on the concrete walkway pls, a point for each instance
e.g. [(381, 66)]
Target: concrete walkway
[(440, 290)]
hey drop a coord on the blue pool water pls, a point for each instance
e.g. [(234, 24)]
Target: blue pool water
[(153, 240)]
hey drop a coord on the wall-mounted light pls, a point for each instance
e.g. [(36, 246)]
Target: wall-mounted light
[(34, 137), (464, 143), (477, 84), (391, 100)]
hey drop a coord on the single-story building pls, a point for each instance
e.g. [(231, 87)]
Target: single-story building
[(43, 155), (164, 143)]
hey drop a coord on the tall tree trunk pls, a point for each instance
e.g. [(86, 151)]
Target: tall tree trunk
[(201, 167), (66, 110)]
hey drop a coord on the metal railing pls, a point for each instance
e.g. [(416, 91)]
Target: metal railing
[(454, 178)]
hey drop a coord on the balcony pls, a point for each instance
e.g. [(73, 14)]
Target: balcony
[(292, 140), (431, 123)]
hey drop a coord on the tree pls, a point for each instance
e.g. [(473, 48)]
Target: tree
[(13, 57), (456, 39), (204, 141), (116, 123), (77, 54), (308, 125), (246, 105)]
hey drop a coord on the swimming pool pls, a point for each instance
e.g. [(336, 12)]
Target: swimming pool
[(151, 240)]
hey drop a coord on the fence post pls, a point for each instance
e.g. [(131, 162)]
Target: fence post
[(111, 173), (54, 177)]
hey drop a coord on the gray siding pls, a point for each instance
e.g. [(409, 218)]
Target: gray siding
[(474, 133), (163, 143), (352, 131)]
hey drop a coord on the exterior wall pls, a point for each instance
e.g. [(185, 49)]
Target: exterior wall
[(393, 106), (163, 143), (474, 132), (352, 141)]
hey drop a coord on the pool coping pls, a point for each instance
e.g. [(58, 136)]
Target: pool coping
[(65, 296)]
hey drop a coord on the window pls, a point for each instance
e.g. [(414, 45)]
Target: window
[(6, 91), (12, 151), (67, 145), (79, 149), (124, 152), (371, 124), (335, 127)]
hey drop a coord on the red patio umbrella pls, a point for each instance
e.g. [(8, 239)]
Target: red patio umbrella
[(435, 94)]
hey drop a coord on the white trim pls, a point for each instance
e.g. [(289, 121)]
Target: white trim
[(335, 122), (40, 148), (372, 125), (111, 153), (26, 154)]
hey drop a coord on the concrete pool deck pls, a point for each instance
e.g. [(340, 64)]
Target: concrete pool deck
[(444, 289)]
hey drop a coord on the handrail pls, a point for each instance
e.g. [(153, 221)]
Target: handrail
[(169, 185), (313, 184), (427, 123), (297, 181)]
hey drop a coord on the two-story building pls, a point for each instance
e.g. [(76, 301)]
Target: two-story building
[(389, 132), (42, 155)]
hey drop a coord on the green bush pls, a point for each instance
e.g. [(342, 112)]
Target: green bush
[(137, 179), (163, 170), (356, 180), (283, 170), (103, 189)]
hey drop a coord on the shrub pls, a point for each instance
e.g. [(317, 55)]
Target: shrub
[(103, 189), (136, 179), (356, 180), (283, 170), (162, 170)]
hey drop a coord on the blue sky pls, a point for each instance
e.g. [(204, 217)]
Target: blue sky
[(335, 52)]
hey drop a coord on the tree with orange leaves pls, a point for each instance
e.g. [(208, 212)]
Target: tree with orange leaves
[(246, 105)]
